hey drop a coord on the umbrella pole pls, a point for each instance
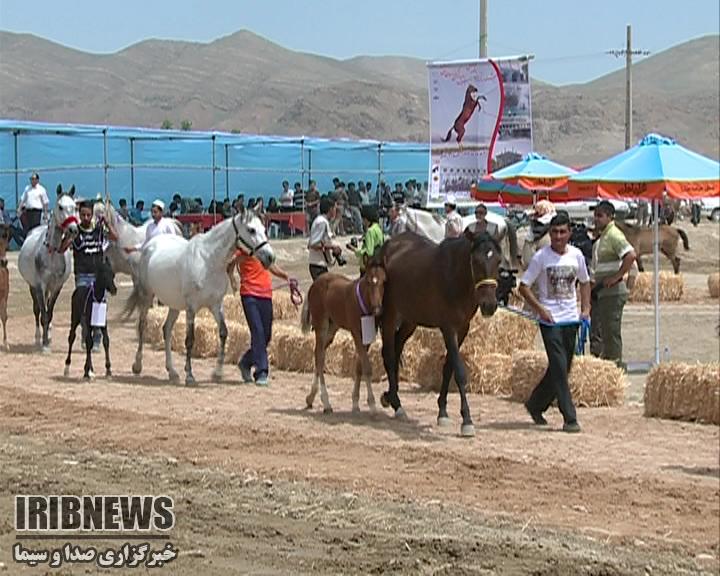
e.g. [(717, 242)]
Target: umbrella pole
[(656, 278)]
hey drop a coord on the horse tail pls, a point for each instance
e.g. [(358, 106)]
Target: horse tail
[(449, 135), (685, 241), (132, 303), (512, 241), (305, 323)]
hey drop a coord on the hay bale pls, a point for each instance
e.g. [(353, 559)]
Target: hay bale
[(347, 351), (502, 333), (596, 382), (672, 287), (714, 284), (294, 351), (153, 326), (593, 382), (232, 307), (682, 391)]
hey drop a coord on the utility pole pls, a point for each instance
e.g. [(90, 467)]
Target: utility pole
[(483, 29), (628, 52)]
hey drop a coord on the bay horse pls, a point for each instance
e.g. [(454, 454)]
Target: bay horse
[(470, 103), (335, 302), (190, 275), (5, 238), (82, 303), (642, 240), (436, 286), (43, 267)]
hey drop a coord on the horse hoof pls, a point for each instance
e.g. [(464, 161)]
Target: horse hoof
[(217, 376), (400, 414), (467, 430), (356, 409), (66, 372), (443, 421), (89, 376), (384, 400), (174, 377), (108, 375), (328, 410), (136, 368), (190, 381), (46, 350)]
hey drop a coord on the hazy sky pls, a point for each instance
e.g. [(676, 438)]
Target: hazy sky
[(568, 37)]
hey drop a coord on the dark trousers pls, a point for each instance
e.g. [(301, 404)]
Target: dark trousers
[(316, 270), (560, 347), (259, 316), (32, 219)]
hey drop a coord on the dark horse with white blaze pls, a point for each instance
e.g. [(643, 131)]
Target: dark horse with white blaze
[(436, 286), (82, 304)]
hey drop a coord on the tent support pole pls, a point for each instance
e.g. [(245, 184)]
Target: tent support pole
[(656, 278)]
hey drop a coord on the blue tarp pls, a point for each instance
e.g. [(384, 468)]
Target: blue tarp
[(166, 162)]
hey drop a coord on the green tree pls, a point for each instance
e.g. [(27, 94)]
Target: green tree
[(186, 125), (166, 125)]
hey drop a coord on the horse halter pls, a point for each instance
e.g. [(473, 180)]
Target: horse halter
[(241, 240)]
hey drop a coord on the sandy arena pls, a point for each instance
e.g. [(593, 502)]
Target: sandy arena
[(262, 486)]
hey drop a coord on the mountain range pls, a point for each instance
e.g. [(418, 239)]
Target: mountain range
[(246, 83)]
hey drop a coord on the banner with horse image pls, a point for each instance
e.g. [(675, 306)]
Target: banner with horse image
[(480, 121)]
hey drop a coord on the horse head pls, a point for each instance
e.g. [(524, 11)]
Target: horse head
[(251, 238), (64, 215), (5, 234), (485, 259), (105, 277), (375, 278)]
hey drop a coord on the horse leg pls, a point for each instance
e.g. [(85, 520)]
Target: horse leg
[(167, 338), (448, 369), (356, 382), (640, 266), (43, 319), (51, 313), (71, 339), (106, 345), (366, 367), (320, 361), (219, 315), (3, 318), (88, 372), (451, 343), (390, 361), (36, 311), (674, 260), (142, 320), (189, 341)]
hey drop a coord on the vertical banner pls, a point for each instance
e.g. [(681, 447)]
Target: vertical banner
[(480, 121)]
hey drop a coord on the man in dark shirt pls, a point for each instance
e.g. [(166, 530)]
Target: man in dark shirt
[(88, 249)]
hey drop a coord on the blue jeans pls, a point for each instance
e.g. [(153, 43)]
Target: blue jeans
[(259, 316)]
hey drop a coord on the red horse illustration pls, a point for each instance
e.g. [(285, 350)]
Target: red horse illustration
[(472, 101)]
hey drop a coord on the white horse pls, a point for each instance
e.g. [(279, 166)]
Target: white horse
[(128, 235), (43, 267), (190, 275), (432, 227)]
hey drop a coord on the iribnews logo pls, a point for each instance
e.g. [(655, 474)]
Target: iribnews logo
[(69, 513)]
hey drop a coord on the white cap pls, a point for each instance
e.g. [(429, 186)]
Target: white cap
[(450, 199), (160, 204)]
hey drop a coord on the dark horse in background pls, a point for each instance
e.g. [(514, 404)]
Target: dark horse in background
[(471, 102), (82, 303), (436, 286)]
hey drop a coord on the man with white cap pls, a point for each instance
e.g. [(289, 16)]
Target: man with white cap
[(454, 222), (159, 225)]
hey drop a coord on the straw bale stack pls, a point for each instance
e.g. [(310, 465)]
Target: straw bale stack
[(714, 284), (283, 308), (672, 287), (294, 351), (347, 348), (503, 333), (593, 382), (682, 391)]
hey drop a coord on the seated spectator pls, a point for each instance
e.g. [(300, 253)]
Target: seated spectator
[(212, 207), (226, 208), (137, 216), (272, 206), (123, 210), (173, 210), (178, 201)]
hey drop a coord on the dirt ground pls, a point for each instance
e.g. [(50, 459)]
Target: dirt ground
[(262, 486)]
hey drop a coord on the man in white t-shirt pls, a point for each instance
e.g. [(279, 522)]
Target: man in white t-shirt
[(286, 197), (556, 268), (34, 203), (159, 225), (322, 247)]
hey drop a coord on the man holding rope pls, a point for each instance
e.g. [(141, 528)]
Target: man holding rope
[(556, 268)]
